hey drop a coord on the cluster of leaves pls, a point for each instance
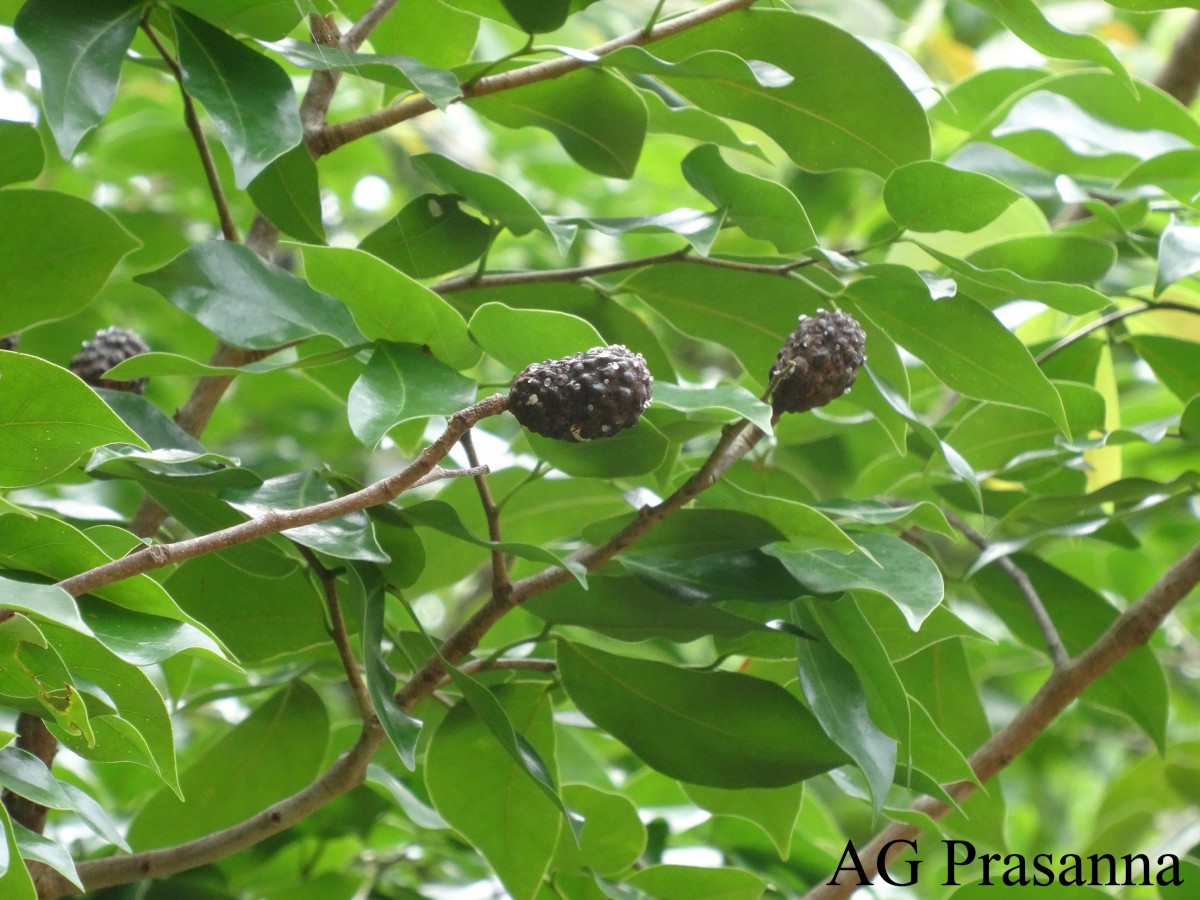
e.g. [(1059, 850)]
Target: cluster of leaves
[(783, 662)]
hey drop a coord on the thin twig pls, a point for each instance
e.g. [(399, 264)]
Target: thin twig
[(335, 135), (1016, 574), (276, 520), (228, 229), (1105, 321), (501, 583), (507, 279), (1131, 630), (337, 631)]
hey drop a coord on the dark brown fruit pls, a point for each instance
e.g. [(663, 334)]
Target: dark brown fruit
[(818, 362), (587, 395), (110, 346)]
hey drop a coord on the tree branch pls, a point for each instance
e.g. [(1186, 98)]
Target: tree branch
[(335, 135), (1132, 629), (1054, 644), (1180, 77), (500, 581), (1104, 321), (276, 520), (228, 229)]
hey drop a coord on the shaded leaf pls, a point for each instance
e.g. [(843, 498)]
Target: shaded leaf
[(929, 196), (723, 403), (21, 154), (288, 193), (519, 337), (429, 236)]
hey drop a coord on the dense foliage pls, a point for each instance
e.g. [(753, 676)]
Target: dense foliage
[(693, 659)]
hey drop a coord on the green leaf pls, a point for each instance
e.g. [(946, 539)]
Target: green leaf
[(249, 98), (258, 618), (21, 153), (839, 702), (48, 419), (40, 849), (57, 249), (723, 403), (288, 193), (870, 121), (1173, 361), (400, 383), (894, 568), (774, 810), (401, 728), (430, 236), (1189, 422), (440, 86), (389, 305), (697, 227), (804, 526), (480, 789), (184, 469), (538, 16), (929, 196), (15, 883), (597, 117), (695, 299), (1026, 21), (634, 451), (732, 575), (25, 775), (688, 121), (962, 343), (716, 64), (762, 208), (519, 337), (674, 882), (1174, 171), (350, 536), (432, 31), (265, 19), (79, 46), (628, 610), (612, 837), (721, 729), (247, 302), (268, 756), (44, 602), (1178, 255)]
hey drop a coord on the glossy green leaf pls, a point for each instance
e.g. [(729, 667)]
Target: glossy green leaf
[(274, 752), (40, 849), (49, 419), (675, 882), (774, 810), (288, 193), (440, 86), (349, 536), (400, 383), (132, 692), (697, 227), (247, 302), (491, 195), (838, 700), (1189, 422), (57, 249), (264, 19), (479, 788), (44, 602), (802, 525), (929, 196), (257, 618), (429, 236), (696, 533), (732, 575), (870, 121), (1174, 171), (612, 837), (634, 451), (1178, 255), (1025, 20), (389, 305), (721, 729), (15, 882), (21, 154), (962, 343), (598, 118), (1173, 361), (401, 728), (894, 568), (161, 365), (695, 299), (762, 208), (519, 337), (144, 640), (689, 121), (249, 98), (717, 403), (79, 46), (1049, 257), (191, 471), (716, 64), (429, 30), (629, 610)]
